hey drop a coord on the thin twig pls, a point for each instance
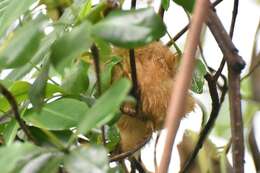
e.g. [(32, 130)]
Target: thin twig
[(124, 155), (10, 98), (213, 115), (183, 78), (231, 33), (183, 30), (95, 54), (224, 42), (251, 71), (254, 149), (135, 165), (155, 151), (135, 90)]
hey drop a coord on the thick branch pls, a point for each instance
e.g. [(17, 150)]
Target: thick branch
[(235, 65), (236, 120), (224, 42)]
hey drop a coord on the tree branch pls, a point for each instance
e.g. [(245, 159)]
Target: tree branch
[(10, 98), (124, 155), (235, 65)]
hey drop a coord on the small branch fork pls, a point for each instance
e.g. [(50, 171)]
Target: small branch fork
[(10, 98)]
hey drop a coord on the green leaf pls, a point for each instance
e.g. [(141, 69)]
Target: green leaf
[(19, 90), (106, 74), (61, 114), (71, 45), (76, 79), (104, 49), (85, 10), (113, 138), (186, 4), (105, 107), (10, 132), (130, 29), (166, 4), (13, 10), (45, 163), (198, 77), (20, 47), (96, 13), (44, 47), (38, 88), (87, 160), (44, 140), (13, 154)]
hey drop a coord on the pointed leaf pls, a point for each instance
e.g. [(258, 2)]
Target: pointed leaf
[(87, 160), (13, 10), (76, 79), (130, 29), (106, 106), (38, 88), (70, 46), (13, 154), (20, 47), (198, 77), (61, 114), (186, 4)]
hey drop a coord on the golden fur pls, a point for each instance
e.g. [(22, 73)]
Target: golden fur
[(156, 66)]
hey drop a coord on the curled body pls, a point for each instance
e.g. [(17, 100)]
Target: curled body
[(156, 67)]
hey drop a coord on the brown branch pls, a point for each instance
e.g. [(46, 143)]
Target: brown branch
[(10, 98), (224, 42), (235, 65), (183, 79), (236, 120), (231, 33)]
